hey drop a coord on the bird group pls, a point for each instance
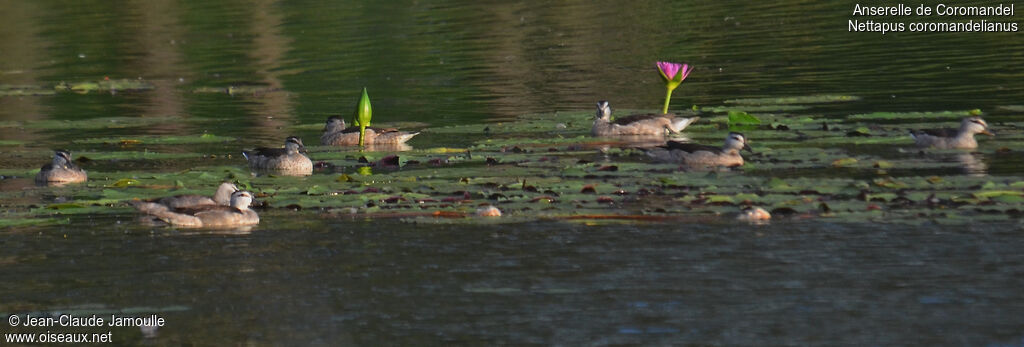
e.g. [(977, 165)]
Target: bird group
[(229, 207), (695, 155)]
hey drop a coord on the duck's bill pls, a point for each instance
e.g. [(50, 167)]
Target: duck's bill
[(747, 148), (989, 133)]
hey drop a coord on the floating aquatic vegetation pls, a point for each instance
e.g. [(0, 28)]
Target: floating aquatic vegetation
[(22, 222), (138, 155), (754, 108), (1012, 108), (545, 166), (25, 90), (944, 115), (92, 123), (107, 85), (809, 99), (156, 139), (236, 90), (574, 123), (741, 120)]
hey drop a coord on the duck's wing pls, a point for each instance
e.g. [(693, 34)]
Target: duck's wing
[(638, 118), (186, 201), (148, 207), (690, 147), (944, 132), (196, 210), (355, 129), (267, 152)]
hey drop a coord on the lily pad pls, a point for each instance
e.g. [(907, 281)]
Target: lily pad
[(22, 222), (237, 90), (809, 99), (157, 140), (92, 123), (110, 85), (944, 115), (25, 90), (742, 118)]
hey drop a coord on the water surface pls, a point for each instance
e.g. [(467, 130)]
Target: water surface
[(301, 277)]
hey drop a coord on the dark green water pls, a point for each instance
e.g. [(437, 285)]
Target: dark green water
[(301, 277)]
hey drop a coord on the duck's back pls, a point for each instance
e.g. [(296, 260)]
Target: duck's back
[(278, 159), (347, 137), (64, 175), (350, 136), (643, 118), (945, 138), (181, 201)]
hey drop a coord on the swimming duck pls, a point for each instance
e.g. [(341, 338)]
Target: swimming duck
[(205, 216), (61, 170), (753, 214), (694, 155), (337, 134), (488, 211), (638, 124), (221, 197), (288, 160), (962, 138)]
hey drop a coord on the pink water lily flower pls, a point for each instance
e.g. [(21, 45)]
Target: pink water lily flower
[(674, 74), (669, 70)]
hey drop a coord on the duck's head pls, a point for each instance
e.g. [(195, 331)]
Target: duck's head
[(975, 125), (603, 110), (61, 158), (737, 141), (294, 144), (241, 200), (334, 123), (223, 194), (228, 186)]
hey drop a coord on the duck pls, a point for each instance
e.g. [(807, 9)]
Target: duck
[(221, 197), (336, 133), (238, 214), (638, 124), (61, 170), (753, 214), (288, 160), (694, 155), (948, 138), (488, 211)]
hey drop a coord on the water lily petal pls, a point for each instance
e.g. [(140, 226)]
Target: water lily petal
[(668, 70), (685, 70)]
